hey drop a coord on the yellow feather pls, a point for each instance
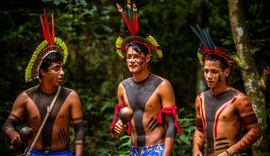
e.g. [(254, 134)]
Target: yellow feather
[(200, 56)]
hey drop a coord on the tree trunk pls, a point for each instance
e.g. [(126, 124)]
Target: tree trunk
[(202, 19), (249, 71)]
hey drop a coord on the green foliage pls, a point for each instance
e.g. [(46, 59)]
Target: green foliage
[(93, 69), (124, 144), (183, 143)]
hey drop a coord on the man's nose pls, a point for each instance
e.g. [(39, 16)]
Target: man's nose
[(61, 72), (209, 75), (132, 59)]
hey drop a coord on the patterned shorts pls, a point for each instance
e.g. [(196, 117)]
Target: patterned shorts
[(154, 150)]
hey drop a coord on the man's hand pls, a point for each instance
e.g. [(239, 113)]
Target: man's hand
[(119, 128), (15, 138), (197, 153)]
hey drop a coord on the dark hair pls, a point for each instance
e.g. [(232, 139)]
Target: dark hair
[(139, 47), (214, 57), (50, 58)]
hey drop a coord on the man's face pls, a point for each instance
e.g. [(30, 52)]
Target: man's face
[(213, 74), (55, 73), (136, 61)]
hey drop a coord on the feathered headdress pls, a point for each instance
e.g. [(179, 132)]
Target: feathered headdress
[(49, 45), (130, 18), (210, 48)]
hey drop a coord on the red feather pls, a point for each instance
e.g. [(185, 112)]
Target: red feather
[(128, 24), (47, 27), (43, 29), (135, 19), (53, 33)]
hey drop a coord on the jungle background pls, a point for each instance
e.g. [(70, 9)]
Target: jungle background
[(90, 28)]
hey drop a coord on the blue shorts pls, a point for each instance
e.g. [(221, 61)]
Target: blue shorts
[(50, 153), (154, 150)]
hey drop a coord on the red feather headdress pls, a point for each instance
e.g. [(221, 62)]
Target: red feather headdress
[(49, 45), (210, 48), (133, 34)]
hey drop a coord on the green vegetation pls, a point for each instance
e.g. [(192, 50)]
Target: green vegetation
[(90, 28)]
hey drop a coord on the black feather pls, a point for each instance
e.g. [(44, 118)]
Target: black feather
[(199, 35), (209, 39), (204, 36)]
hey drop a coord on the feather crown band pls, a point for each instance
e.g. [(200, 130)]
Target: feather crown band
[(49, 45), (133, 34), (210, 48)]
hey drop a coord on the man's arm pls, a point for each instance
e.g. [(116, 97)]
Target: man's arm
[(244, 107), (119, 127), (168, 100), (16, 115), (78, 125), (198, 137)]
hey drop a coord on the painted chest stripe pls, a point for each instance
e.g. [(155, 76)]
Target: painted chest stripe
[(217, 117), (202, 113)]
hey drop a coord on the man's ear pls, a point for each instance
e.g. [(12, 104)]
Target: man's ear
[(227, 72), (42, 72), (147, 57)]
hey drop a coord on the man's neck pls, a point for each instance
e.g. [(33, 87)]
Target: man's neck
[(141, 76), (49, 89), (220, 89)]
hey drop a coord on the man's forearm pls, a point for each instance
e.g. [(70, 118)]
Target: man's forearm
[(9, 125), (246, 141), (79, 149), (198, 140), (79, 138), (168, 147)]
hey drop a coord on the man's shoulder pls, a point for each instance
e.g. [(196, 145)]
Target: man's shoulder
[(68, 91), (205, 92), (127, 79), (159, 77), (31, 90), (240, 95), (162, 81)]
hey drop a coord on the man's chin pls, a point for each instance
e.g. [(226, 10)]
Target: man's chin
[(132, 71), (211, 86), (59, 82)]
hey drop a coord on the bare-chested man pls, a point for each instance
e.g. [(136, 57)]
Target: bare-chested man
[(154, 124), (149, 96), (32, 105), (222, 110)]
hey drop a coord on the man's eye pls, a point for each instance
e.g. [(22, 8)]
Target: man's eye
[(56, 68), (134, 56)]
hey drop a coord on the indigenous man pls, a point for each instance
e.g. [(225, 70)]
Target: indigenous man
[(222, 110), (151, 97), (47, 108)]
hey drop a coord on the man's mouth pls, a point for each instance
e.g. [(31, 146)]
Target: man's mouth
[(60, 79), (132, 66)]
